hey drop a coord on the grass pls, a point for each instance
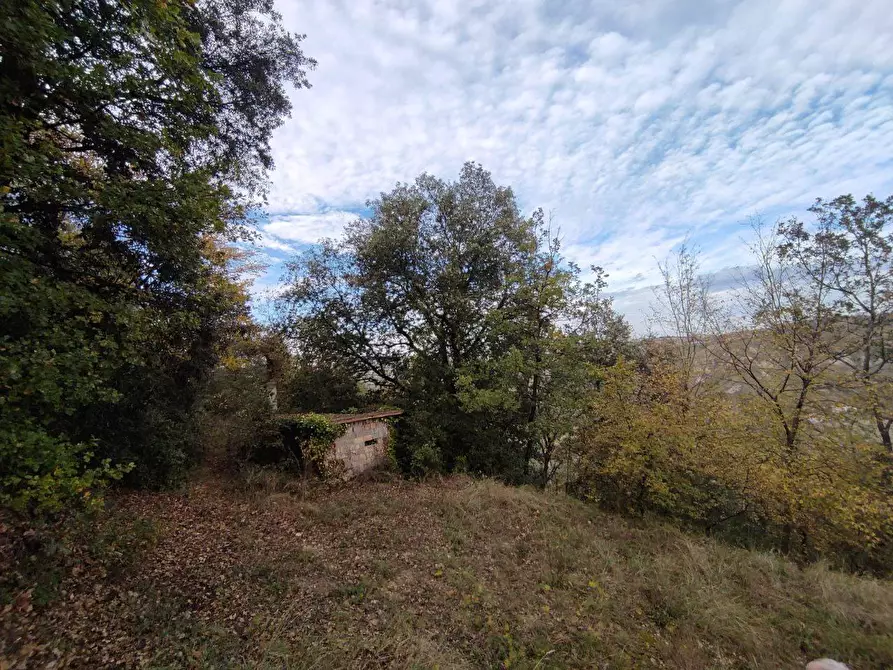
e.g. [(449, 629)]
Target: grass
[(455, 574)]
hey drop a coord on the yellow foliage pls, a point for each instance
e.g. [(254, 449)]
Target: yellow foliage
[(721, 461)]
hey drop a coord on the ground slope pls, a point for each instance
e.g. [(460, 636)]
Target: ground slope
[(457, 574)]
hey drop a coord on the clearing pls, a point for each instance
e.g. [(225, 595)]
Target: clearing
[(452, 574)]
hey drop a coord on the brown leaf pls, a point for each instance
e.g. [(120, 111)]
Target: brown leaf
[(23, 603)]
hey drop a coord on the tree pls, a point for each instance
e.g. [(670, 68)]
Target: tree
[(409, 295), (717, 460), (858, 241), (466, 313), (784, 336), (321, 385), (133, 140), (557, 329), (650, 445), (681, 313), (778, 335), (571, 329), (781, 458)]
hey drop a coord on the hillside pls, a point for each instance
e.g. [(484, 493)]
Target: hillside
[(457, 574)]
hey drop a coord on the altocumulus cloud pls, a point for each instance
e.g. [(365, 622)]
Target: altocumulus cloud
[(634, 123)]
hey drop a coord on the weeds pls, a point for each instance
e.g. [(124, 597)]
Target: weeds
[(354, 593)]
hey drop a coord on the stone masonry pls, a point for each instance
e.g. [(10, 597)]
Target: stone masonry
[(364, 444)]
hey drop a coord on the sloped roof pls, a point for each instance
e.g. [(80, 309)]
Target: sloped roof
[(353, 418), (364, 416)]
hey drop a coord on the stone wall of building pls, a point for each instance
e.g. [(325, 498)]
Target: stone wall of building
[(363, 446)]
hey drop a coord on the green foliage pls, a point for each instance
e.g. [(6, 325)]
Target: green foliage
[(426, 461), (236, 422), (408, 296), (54, 354), (460, 310), (320, 386), (764, 418), (722, 463), (649, 448), (554, 330), (133, 140), (47, 474), (309, 437)]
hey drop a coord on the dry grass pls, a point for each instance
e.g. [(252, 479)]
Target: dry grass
[(456, 574)]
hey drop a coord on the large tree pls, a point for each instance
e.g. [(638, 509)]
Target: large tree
[(411, 293), (557, 330), (464, 310), (133, 140)]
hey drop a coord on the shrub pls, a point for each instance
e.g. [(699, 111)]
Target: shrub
[(66, 475), (717, 462), (426, 461), (236, 422), (308, 439)]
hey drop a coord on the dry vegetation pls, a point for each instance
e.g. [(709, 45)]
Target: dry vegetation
[(265, 573)]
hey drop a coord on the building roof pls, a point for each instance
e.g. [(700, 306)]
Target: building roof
[(364, 416), (354, 418)]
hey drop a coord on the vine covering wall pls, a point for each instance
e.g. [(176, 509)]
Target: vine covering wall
[(309, 438)]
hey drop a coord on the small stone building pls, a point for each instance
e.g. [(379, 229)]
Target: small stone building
[(364, 444)]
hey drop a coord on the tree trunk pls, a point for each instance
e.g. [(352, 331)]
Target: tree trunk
[(547, 462), (883, 428), (531, 417)]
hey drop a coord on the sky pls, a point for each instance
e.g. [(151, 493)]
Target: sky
[(635, 123)]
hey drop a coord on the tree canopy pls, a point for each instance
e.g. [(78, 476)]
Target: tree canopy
[(456, 303), (134, 137)]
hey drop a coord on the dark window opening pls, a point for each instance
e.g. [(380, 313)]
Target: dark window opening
[(369, 443)]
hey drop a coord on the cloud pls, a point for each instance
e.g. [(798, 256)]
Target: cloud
[(267, 241), (308, 228), (635, 123), (637, 303)]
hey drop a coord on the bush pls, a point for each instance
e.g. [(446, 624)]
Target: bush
[(426, 461), (236, 423), (44, 474), (308, 439), (717, 462)]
